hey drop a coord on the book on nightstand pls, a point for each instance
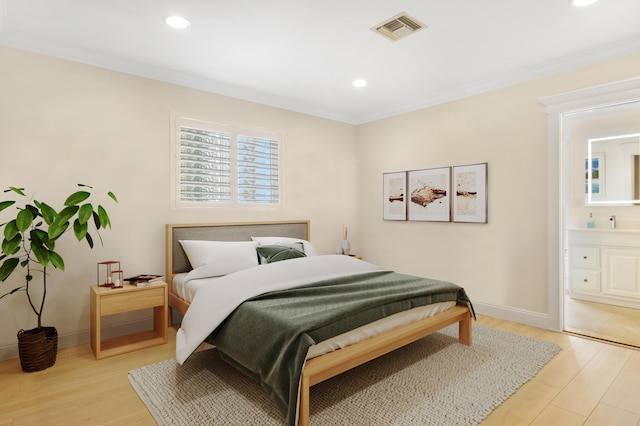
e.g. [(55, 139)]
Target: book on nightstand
[(144, 279)]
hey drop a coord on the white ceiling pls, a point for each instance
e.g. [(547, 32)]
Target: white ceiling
[(303, 55)]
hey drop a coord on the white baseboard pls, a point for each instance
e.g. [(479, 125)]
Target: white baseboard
[(520, 316), (83, 336)]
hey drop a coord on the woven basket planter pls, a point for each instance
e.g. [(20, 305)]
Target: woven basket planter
[(38, 348)]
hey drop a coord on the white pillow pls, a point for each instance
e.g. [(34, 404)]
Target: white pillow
[(309, 250), (220, 257)]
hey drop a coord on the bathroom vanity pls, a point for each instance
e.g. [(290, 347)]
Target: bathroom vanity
[(604, 266)]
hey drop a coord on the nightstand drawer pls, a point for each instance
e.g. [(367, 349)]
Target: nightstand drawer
[(132, 300)]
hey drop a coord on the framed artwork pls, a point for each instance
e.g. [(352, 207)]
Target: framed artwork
[(470, 200), (430, 194), (394, 200), (595, 180)]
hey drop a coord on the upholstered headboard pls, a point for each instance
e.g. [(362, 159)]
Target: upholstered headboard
[(176, 259)]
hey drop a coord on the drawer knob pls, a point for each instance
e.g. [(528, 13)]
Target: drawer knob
[(586, 280), (584, 257)]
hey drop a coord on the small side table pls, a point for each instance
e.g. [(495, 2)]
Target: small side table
[(108, 301)]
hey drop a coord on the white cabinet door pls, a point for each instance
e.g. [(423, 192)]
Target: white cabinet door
[(620, 272)]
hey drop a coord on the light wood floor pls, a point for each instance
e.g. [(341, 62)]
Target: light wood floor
[(602, 321), (588, 382)]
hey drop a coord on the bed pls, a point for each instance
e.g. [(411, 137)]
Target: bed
[(326, 363)]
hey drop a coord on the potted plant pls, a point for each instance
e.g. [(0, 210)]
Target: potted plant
[(29, 245)]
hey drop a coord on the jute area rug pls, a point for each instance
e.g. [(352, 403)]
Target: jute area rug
[(434, 381)]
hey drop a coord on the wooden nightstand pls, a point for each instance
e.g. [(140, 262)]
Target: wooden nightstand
[(107, 301)]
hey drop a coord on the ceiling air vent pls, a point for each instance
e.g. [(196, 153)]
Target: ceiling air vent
[(399, 27)]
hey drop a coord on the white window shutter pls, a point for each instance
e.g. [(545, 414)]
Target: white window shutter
[(226, 166)]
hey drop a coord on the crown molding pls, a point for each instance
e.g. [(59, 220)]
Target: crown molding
[(601, 54), (593, 56)]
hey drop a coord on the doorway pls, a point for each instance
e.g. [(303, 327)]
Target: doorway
[(571, 116)]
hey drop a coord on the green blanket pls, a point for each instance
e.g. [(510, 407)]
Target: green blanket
[(268, 337)]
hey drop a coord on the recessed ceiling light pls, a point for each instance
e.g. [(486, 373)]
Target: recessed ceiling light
[(359, 82), (176, 22), (581, 3)]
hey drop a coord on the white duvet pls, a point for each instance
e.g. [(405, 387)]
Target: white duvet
[(214, 302)]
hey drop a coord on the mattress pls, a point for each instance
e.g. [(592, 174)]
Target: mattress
[(187, 290), (377, 327)]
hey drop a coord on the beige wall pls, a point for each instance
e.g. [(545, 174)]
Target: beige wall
[(502, 263), (62, 123)]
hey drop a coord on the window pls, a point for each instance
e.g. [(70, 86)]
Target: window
[(224, 165)]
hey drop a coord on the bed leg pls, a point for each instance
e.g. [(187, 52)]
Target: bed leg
[(303, 408), (464, 331)]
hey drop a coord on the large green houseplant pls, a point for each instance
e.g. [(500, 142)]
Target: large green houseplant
[(29, 245)]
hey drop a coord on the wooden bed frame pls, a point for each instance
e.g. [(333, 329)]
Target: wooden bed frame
[(325, 366)]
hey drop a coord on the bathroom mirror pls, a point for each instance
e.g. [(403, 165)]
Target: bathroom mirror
[(612, 170)]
